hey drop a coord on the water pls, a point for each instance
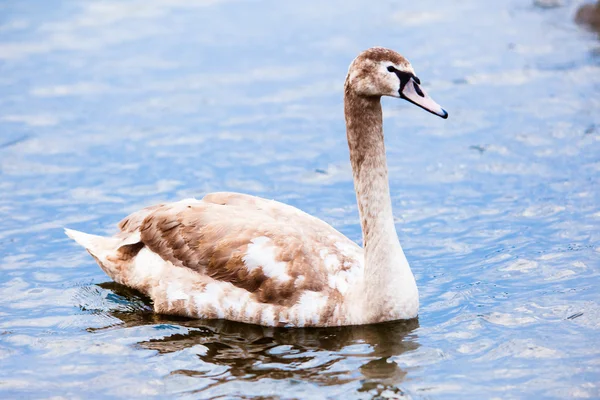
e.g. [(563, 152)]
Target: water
[(108, 106)]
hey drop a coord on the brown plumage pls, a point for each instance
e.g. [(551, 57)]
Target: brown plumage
[(248, 259), (211, 237), (589, 15)]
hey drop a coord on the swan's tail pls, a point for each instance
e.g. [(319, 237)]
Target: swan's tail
[(103, 249), (97, 246)]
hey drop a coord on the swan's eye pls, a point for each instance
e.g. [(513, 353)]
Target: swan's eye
[(391, 69)]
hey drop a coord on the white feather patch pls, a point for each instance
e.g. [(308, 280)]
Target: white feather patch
[(148, 264), (261, 254), (175, 292), (268, 316), (332, 262), (309, 307), (209, 297)]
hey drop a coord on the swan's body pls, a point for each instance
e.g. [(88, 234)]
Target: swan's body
[(252, 260)]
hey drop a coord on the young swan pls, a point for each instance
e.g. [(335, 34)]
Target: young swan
[(248, 259)]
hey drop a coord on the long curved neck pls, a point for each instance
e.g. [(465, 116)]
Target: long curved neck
[(386, 268), (364, 127)]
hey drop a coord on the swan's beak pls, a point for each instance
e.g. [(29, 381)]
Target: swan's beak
[(413, 93)]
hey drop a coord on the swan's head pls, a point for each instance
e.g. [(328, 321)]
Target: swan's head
[(383, 72)]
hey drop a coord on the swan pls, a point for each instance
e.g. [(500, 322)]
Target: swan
[(243, 258)]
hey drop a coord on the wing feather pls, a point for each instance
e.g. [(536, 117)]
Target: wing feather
[(272, 250)]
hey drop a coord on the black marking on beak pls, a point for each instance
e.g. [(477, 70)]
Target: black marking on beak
[(418, 89), (405, 77)]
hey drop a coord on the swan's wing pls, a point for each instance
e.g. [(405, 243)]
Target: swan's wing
[(236, 199), (272, 250), (273, 208)]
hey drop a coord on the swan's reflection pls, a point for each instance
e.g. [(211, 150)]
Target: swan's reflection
[(325, 356)]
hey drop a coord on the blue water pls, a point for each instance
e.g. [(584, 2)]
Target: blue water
[(109, 106)]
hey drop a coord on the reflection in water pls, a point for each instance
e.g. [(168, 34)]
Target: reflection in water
[(252, 352)]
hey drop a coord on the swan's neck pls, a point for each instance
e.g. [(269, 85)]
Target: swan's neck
[(388, 279)]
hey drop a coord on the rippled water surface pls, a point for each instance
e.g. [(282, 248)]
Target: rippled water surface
[(108, 106)]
